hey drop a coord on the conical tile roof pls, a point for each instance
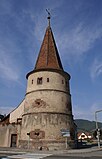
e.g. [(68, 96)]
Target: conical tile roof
[(48, 56)]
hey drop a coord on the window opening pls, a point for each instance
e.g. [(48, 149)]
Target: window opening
[(66, 83), (32, 81), (37, 133), (47, 79), (62, 82), (39, 80)]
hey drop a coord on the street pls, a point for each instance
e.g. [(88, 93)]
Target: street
[(69, 157), (86, 153), (90, 155), (83, 155)]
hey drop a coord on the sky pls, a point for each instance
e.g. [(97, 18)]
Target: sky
[(77, 29)]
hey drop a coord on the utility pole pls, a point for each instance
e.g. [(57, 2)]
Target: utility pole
[(97, 129)]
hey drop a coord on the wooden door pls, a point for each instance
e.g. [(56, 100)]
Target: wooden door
[(13, 140)]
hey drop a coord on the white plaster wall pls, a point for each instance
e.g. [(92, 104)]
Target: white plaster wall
[(5, 135), (17, 112)]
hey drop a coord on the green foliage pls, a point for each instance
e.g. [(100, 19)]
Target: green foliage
[(1, 116)]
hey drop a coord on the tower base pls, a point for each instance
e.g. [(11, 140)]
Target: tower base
[(47, 145)]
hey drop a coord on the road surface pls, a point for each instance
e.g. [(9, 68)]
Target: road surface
[(66, 155)]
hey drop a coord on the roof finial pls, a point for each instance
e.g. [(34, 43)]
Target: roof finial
[(49, 16)]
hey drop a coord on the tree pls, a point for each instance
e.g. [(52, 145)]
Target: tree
[(1, 116)]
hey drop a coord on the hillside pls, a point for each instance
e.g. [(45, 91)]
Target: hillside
[(86, 125)]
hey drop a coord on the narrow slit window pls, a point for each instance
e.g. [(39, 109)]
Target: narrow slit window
[(32, 81), (39, 80), (66, 84), (62, 82), (47, 79)]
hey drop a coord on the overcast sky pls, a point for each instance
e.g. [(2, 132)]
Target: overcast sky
[(77, 28)]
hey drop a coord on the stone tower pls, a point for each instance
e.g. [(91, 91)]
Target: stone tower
[(47, 109)]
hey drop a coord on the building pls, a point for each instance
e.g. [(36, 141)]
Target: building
[(84, 135), (46, 109)]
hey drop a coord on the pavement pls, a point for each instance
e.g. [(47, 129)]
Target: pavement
[(16, 153)]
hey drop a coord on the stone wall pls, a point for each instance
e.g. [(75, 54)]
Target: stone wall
[(48, 101), (44, 144), (50, 123), (47, 110)]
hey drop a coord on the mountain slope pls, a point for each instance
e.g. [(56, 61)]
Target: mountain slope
[(86, 125)]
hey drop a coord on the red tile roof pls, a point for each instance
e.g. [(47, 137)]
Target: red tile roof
[(48, 56)]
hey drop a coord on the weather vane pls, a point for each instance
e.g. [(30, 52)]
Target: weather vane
[(49, 16)]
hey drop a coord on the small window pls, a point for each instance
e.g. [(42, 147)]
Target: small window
[(32, 81), (66, 83), (47, 79), (62, 82), (37, 133), (39, 80), (82, 135)]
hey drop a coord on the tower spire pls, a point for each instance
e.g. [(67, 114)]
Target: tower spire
[(48, 17), (48, 57)]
